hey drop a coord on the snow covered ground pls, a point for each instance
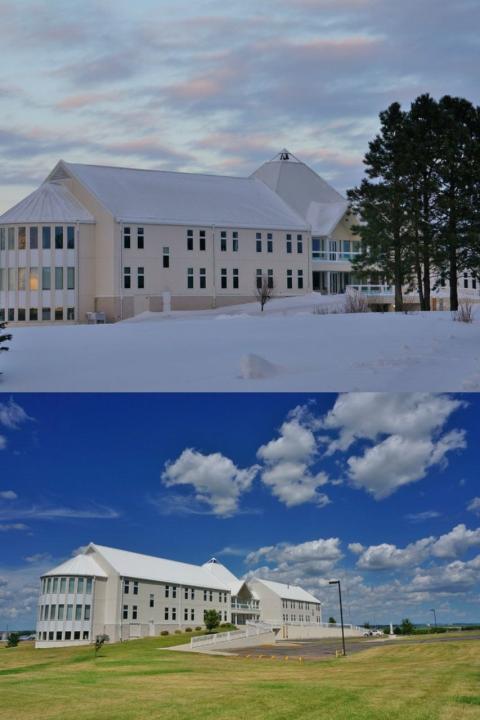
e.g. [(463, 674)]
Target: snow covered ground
[(287, 348)]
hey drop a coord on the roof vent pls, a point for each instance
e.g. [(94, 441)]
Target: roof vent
[(284, 155), (213, 560)]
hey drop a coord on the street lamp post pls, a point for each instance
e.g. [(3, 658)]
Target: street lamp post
[(434, 616), (337, 582)]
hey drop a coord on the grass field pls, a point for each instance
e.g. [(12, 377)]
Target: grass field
[(139, 680)]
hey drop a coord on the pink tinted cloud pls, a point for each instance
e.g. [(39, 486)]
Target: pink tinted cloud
[(82, 100)]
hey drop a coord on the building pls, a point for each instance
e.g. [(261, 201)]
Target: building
[(127, 595), (120, 241)]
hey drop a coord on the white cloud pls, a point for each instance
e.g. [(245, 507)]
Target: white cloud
[(217, 481), (7, 527), (356, 548), (455, 577), (457, 542), (38, 558), (287, 463), (474, 505), (421, 516), (8, 495), (12, 415), (406, 430), (3, 442), (39, 512), (389, 557)]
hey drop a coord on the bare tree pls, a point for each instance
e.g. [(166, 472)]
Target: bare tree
[(464, 313), (265, 289)]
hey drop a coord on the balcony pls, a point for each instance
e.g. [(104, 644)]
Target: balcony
[(333, 256), (371, 290), (246, 607)]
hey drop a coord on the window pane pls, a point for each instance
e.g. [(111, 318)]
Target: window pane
[(71, 278), (46, 278), (22, 238), (70, 237), (78, 612), (46, 314), (46, 238), (80, 582), (71, 585), (63, 585), (11, 238), (59, 278), (88, 589), (33, 279), (21, 278), (59, 237)]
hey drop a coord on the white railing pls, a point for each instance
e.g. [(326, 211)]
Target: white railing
[(300, 623), (245, 606), (333, 255), (250, 630), (371, 289)]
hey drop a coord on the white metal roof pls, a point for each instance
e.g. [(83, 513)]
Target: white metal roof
[(226, 577), (51, 202), (158, 196), (82, 564), (317, 202), (147, 567), (288, 592)]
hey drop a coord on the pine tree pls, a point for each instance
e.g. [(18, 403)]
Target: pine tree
[(4, 337), (381, 203)]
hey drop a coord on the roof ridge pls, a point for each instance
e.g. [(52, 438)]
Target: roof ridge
[(158, 170)]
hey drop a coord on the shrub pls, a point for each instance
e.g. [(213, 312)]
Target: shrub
[(178, 632), (165, 632), (100, 640), (188, 630), (13, 639), (211, 619), (464, 313), (198, 628), (355, 302)]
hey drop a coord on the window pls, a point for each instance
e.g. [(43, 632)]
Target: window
[(140, 278), (210, 596), (76, 635), (68, 635), (259, 278), (269, 242), (22, 238), (80, 584), (88, 589), (135, 587), (46, 610), (166, 614), (34, 238), (289, 280), (167, 590), (59, 278), (2, 238), (465, 280), (46, 278), (189, 239), (78, 612), (127, 278), (202, 240), (192, 614), (289, 244), (12, 279), (21, 278), (2, 279), (203, 278), (258, 242), (71, 278), (33, 279), (70, 313), (53, 611), (223, 241), (140, 238), (192, 594), (185, 614), (63, 585), (125, 612), (299, 244), (11, 238), (235, 278), (152, 600), (270, 279), (85, 635), (71, 237), (126, 587), (50, 635), (474, 282), (55, 585), (58, 237), (21, 315), (69, 612), (190, 278), (86, 612), (300, 279), (186, 594), (174, 591), (71, 585), (174, 613), (126, 238), (46, 238), (235, 241), (223, 278), (11, 314), (46, 314), (166, 257), (134, 612), (204, 596)]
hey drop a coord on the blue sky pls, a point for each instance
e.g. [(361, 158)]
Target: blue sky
[(380, 490), (218, 86)]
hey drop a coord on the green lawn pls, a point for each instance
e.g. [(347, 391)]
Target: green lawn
[(140, 680)]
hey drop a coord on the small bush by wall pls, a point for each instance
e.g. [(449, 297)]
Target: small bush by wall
[(165, 632)]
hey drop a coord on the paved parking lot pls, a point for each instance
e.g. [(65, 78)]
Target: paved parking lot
[(326, 648)]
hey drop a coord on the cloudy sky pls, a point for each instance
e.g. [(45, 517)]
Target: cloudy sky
[(217, 86), (380, 490)]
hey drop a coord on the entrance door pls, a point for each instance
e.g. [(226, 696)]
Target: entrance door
[(316, 281), (151, 628)]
